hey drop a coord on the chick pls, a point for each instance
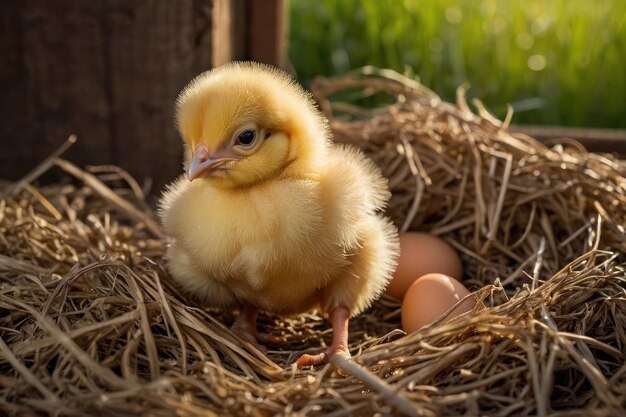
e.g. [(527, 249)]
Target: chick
[(271, 214)]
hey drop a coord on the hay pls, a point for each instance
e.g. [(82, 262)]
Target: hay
[(90, 323)]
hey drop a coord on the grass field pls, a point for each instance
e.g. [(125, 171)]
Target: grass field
[(560, 62)]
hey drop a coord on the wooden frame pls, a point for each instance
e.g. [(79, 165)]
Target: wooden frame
[(595, 140)]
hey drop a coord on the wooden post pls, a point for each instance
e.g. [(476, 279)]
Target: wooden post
[(267, 36)]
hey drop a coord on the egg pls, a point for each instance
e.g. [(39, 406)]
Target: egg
[(421, 254), (431, 296)]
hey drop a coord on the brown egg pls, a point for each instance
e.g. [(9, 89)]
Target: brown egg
[(431, 296), (422, 254)]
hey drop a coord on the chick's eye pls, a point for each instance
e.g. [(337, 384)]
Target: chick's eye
[(246, 137)]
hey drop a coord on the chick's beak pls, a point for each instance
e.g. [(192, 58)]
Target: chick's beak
[(203, 164)]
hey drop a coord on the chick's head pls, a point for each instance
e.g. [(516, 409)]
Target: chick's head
[(243, 123)]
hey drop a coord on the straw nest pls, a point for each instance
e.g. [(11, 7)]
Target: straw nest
[(91, 325)]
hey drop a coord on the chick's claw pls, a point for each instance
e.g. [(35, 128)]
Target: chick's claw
[(321, 356), (269, 339)]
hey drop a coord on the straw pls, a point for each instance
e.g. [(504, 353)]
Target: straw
[(91, 323)]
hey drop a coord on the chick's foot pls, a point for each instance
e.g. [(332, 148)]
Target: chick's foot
[(339, 317), (321, 356), (245, 327)]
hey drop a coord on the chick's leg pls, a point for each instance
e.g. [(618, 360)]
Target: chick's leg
[(245, 327), (339, 317)]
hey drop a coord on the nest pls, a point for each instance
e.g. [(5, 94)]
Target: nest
[(91, 324)]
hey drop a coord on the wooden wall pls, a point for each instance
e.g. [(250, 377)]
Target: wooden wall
[(110, 70)]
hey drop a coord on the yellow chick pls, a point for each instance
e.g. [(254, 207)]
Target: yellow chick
[(271, 214)]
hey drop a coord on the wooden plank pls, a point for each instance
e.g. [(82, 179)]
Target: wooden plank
[(239, 29), (150, 57), (595, 140), (109, 71), (49, 88), (221, 36), (267, 31)]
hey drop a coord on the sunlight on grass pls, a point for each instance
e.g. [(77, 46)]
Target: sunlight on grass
[(557, 62)]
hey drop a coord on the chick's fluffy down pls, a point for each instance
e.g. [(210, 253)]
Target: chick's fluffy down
[(287, 245)]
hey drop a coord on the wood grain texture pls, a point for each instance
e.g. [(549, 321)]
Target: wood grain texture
[(267, 31), (108, 71)]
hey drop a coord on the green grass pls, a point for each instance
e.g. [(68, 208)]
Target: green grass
[(560, 62)]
